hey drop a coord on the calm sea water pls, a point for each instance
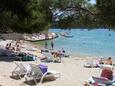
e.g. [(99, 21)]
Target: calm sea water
[(97, 42)]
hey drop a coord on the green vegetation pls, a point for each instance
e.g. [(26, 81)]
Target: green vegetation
[(25, 15), (35, 15), (106, 10)]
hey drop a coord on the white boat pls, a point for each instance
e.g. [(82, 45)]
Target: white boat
[(66, 34)]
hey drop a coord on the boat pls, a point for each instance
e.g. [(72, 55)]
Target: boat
[(68, 36), (65, 34)]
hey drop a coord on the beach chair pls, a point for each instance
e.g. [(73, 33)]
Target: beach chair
[(50, 57), (92, 64), (36, 74), (106, 65), (19, 70), (88, 64), (101, 81)]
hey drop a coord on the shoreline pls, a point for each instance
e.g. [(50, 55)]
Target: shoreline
[(81, 56)]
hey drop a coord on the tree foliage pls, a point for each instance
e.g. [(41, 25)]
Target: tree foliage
[(26, 15), (36, 15), (106, 6), (106, 10)]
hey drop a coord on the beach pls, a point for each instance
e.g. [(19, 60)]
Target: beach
[(57, 43), (72, 73), (72, 70)]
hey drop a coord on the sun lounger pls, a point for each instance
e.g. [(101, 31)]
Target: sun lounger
[(19, 70), (92, 64), (89, 64), (36, 73), (101, 81), (109, 66)]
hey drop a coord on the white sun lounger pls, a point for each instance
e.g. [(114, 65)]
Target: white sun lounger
[(36, 73), (19, 70)]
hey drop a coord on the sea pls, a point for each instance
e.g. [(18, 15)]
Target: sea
[(94, 42)]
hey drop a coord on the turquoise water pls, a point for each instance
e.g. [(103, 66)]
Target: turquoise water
[(97, 42)]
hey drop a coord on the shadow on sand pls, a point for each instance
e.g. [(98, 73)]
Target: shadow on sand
[(31, 82), (15, 77), (6, 55)]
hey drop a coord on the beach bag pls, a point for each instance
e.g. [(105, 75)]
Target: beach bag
[(30, 58), (27, 58), (24, 58), (43, 68), (107, 73)]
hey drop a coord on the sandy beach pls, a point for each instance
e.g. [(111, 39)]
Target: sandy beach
[(72, 72)]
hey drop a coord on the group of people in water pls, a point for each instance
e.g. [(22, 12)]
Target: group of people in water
[(52, 45)]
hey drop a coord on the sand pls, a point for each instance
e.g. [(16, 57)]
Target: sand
[(72, 72)]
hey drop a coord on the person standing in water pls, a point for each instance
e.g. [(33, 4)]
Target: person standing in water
[(46, 45), (52, 45)]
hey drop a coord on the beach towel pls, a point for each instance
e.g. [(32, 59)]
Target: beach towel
[(107, 73)]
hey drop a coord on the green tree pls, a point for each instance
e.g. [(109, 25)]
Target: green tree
[(106, 6), (107, 12), (27, 15)]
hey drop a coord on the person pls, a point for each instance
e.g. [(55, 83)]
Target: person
[(13, 49), (60, 53), (7, 46), (46, 45), (57, 57), (17, 48), (63, 51), (52, 45), (10, 45), (101, 61), (109, 61), (18, 42), (85, 84)]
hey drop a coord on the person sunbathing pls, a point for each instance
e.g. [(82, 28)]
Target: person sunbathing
[(8, 46), (13, 49), (57, 57), (109, 61), (17, 48)]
